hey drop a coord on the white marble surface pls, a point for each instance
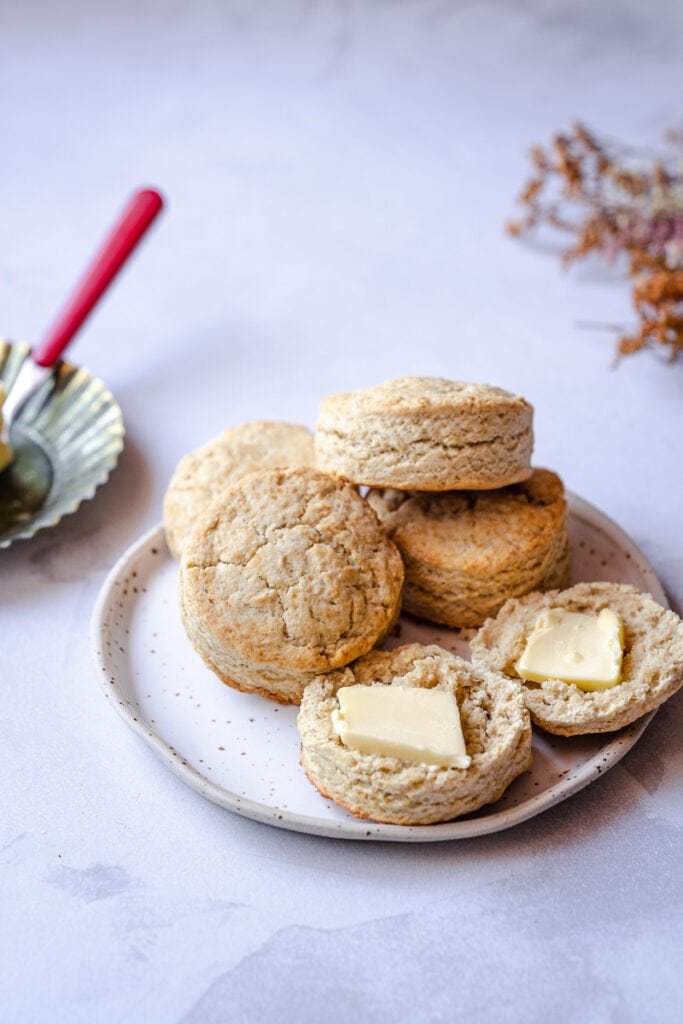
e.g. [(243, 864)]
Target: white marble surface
[(337, 177)]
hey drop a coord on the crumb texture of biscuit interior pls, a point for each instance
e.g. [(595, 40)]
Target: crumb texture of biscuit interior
[(288, 574), (203, 473), (652, 669), (495, 724), (466, 552), (426, 433)]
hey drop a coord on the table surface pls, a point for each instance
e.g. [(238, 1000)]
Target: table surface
[(338, 177)]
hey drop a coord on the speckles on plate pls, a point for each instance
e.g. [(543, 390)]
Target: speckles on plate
[(242, 751)]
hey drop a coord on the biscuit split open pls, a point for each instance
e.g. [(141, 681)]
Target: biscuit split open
[(495, 726), (652, 669)]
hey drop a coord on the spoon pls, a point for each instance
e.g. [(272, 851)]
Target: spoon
[(26, 481)]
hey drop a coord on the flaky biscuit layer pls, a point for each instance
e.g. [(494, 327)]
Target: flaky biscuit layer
[(426, 433), (466, 552)]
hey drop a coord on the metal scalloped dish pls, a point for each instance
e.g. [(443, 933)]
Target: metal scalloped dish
[(242, 751), (74, 424)]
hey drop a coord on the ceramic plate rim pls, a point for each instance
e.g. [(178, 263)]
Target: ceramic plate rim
[(605, 758)]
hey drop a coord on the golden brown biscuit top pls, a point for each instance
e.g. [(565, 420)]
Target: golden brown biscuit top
[(292, 567), (419, 394)]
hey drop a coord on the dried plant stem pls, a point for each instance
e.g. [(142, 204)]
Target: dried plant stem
[(622, 204)]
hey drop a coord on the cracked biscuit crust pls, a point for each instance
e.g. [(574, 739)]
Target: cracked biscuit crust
[(652, 667), (202, 474), (466, 552), (495, 724), (287, 575), (426, 434)]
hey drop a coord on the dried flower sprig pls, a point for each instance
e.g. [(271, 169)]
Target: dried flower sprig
[(624, 205)]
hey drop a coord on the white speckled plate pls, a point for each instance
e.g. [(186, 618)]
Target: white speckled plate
[(242, 751)]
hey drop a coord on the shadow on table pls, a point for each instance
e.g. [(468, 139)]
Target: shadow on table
[(90, 539)]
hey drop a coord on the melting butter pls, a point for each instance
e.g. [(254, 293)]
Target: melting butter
[(576, 647), (407, 722)]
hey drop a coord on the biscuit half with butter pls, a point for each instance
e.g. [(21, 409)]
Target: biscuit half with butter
[(466, 552), (413, 761), (592, 658), (426, 434)]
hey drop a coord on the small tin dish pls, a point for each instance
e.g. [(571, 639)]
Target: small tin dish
[(66, 440)]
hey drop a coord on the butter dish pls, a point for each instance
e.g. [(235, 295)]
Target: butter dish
[(67, 438)]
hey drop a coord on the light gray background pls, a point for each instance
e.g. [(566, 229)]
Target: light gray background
[(338, 175)]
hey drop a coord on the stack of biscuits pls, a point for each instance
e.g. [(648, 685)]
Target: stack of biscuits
[(298, 551), (449, 469)]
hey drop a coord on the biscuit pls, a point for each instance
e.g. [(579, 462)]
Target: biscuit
[(426, 434), (466, 552), (652, 667), (287, 575), (495, 724), (202, 474)]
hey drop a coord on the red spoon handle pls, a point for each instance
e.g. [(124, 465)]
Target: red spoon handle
[(117, 247)]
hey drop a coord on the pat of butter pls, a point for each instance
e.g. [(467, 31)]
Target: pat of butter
[(575, 647), (5, 453), (411, 723)]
